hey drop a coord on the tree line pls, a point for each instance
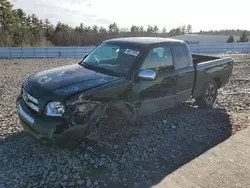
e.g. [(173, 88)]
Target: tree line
[(20, 29), (243, 38)]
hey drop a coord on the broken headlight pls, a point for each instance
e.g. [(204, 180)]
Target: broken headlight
[(54, 109)]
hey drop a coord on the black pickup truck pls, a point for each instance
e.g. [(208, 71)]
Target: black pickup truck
[(132, 76)]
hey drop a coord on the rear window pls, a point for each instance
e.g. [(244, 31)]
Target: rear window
[(180, 56)]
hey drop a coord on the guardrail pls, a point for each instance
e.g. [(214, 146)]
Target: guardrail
[(241, 48), (45, 52), (79, 52)]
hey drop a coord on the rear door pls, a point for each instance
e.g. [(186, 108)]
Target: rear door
[(161, 93), (185, 71)]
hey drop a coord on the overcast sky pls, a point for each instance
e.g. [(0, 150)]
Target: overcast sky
[(202, 15)]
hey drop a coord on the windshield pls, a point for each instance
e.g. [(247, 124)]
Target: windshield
[(114, 58)]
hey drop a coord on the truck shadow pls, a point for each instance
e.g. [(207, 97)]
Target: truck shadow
[(161, 143), (141, 155)]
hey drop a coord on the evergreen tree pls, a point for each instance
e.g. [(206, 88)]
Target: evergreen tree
[(244, 37), (7, 21), (230, 39)]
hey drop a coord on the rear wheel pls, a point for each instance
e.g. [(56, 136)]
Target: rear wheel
[(207, 99)]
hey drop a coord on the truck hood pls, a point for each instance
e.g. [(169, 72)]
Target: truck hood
[(66, 80)]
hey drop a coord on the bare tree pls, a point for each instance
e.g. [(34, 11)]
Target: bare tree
[(189, 28)]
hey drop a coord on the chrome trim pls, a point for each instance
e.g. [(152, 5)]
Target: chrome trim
[(29, 100), (32, 106), (34, 100), (25, 115), (147, 74)]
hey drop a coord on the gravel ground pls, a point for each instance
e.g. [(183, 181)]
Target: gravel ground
[(129, 156)]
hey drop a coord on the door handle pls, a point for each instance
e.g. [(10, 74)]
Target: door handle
[(180, 75)]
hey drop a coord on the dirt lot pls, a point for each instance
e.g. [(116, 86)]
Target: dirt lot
[(129, 156)]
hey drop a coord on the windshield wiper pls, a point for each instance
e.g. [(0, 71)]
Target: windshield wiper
[(106, 71), (85, 65), (101, 69)]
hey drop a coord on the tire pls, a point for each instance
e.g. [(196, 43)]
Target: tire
[(209, 95)]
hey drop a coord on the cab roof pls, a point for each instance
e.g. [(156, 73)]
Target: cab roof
[(142, 41)]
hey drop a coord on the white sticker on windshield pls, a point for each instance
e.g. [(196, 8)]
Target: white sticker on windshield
[(131, 52)]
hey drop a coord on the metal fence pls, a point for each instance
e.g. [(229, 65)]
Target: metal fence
[(79, 52)]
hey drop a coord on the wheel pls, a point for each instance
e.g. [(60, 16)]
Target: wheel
[(207, 99), (85, 125)]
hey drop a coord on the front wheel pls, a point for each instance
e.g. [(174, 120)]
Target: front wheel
[(207, 99)]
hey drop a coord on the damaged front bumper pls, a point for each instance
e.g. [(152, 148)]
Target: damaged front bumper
[(82, 120), (40, 127)]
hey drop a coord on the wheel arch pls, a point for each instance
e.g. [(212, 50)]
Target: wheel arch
[(218, 82)]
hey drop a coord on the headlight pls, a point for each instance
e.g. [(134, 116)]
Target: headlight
[(54, 109)]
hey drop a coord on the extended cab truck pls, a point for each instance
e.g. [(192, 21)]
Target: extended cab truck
[(132, 76)]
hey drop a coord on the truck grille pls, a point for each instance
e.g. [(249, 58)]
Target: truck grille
[(31, 101)]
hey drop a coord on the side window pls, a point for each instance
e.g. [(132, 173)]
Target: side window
[(159, 51), (159, 59), (180, 55)]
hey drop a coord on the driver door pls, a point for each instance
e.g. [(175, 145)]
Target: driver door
[(158, 94)]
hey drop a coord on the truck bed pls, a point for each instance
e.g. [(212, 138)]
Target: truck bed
[(197, 58), (208, 68)]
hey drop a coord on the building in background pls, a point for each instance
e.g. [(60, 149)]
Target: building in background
[(204, 39)]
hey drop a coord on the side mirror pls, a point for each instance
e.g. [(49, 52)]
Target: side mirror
[(84, 57), (147, 74)]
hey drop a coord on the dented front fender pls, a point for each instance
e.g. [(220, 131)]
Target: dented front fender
[(85, 119)]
